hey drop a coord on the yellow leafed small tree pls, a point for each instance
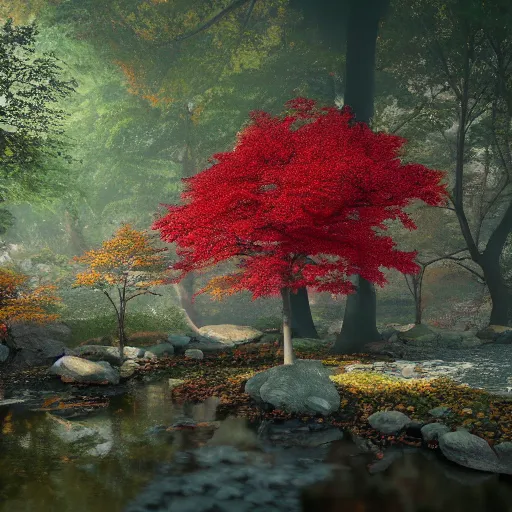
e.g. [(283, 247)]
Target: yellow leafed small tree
[(124, 267), (19, 302)]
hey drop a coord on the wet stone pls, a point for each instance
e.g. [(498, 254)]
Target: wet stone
[(231, 481), (228, 493)]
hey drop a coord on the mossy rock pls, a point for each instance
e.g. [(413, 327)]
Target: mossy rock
[(418, 332), (271, 338), (492, 332), (146, 338)]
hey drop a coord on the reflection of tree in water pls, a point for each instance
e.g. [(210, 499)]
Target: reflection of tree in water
[(39, 471), (414, 482)]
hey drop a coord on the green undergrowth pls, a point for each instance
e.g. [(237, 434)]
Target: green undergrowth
[(105, 326), (361, 393)]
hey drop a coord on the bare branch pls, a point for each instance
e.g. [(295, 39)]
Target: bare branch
[(113, 303), (248, 15), (408, 285), (490, 204), (444, 257), (235, 5), (147, 292), (417, 111), (474, 272)]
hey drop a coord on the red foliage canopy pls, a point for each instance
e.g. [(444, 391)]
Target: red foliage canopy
[(298, 201)]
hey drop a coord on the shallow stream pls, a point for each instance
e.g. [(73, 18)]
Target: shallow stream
[(100, 462)]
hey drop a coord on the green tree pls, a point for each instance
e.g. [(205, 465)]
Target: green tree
[(32, 147), (467, 71)]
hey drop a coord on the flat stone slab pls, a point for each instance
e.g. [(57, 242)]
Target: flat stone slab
[(230, 335)]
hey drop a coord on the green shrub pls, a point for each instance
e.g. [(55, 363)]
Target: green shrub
[(106, 324), (267, 322)]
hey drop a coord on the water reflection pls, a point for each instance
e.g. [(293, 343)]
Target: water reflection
[(50, 464), (99, 463), (414, 481)]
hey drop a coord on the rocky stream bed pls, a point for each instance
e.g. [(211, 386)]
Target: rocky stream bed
[(131, 447)]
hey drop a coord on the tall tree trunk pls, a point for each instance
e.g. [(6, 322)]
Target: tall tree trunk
[(302, 321), (185, 288), (184, 293), (493, 273), (360, 319), (74, 231), (415, 286), (417, 282), (287, 327)]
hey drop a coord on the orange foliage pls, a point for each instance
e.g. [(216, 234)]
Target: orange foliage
[(135, 86), (20, 303), (221, 286), (128, 259)]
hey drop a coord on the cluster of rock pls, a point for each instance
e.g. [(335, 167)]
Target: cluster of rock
[(460, 446), (41, 345), (414, 369), (419, 341), (229, 480)]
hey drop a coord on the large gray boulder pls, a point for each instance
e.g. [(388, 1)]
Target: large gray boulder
[(106, 353), (302, 387), (76, 370), (33, 344), (231, 334), (469, 451), (389, 422)]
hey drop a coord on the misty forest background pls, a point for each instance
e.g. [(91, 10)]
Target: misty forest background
[(155, 98)]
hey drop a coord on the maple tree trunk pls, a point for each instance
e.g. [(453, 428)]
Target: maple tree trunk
[(360, 319), (287, 327), (302, 320)]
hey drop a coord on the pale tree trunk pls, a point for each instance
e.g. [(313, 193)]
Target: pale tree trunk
[(287, 327), (186, 306), (185, 288)]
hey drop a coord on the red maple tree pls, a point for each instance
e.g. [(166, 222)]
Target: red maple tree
[(298, 203)]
